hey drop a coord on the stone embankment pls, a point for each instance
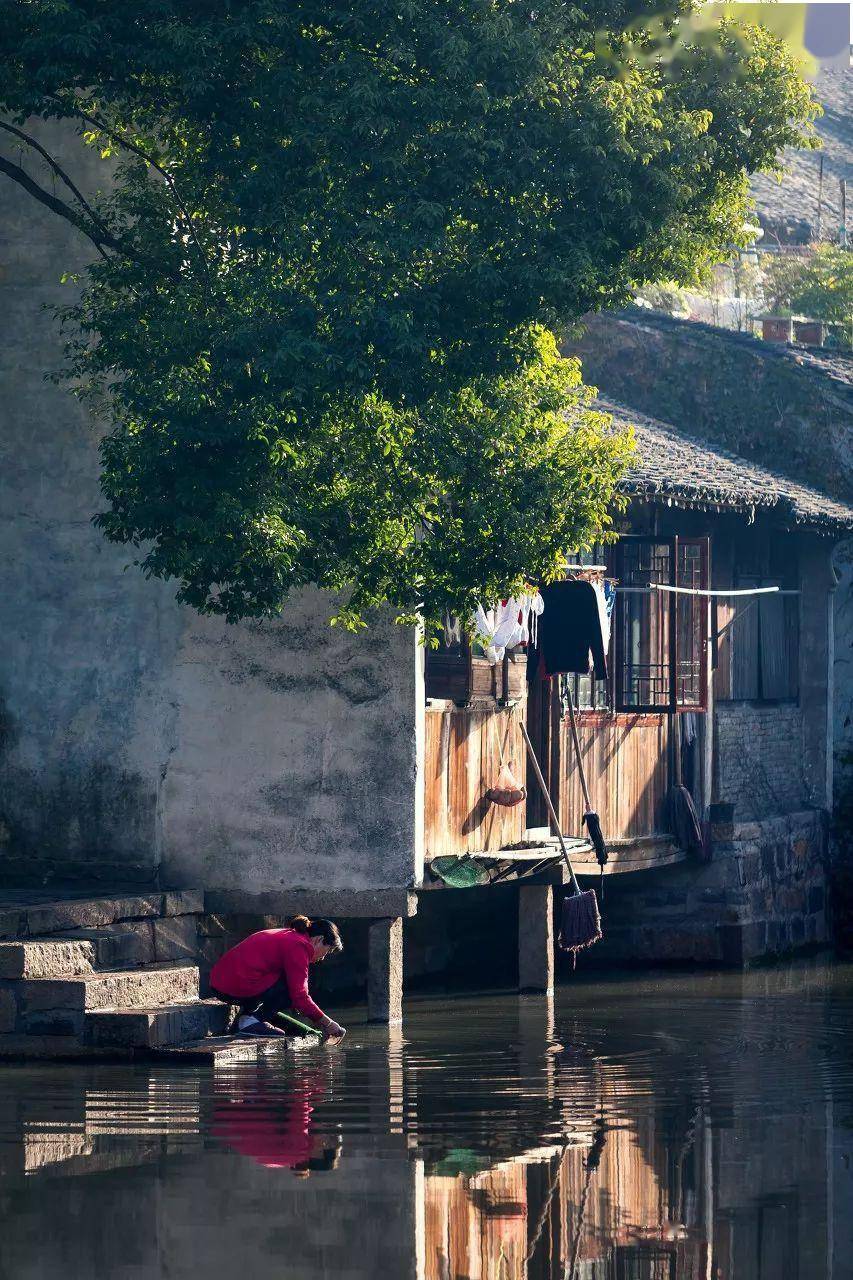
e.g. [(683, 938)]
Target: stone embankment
[(103, 975)]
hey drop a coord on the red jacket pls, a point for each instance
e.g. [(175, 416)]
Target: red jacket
[(261, 960)]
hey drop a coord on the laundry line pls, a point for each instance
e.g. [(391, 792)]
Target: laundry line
[(705, 593)]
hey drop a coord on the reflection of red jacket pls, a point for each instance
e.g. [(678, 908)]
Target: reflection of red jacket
[(274, 1132), (261, 960)]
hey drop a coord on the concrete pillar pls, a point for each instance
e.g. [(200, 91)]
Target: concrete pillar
[(385, 971), (535, 937)]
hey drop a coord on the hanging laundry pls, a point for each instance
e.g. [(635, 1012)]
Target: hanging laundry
[(452, 630), (571, 634), (606, 592), (531, 607), (507, 624)]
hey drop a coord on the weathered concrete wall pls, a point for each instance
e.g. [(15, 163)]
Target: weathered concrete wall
[(138, 740)]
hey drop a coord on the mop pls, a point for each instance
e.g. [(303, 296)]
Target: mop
[(580, 925)]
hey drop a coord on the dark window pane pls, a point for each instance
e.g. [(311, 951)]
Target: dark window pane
[(691, 624), (642, 625)]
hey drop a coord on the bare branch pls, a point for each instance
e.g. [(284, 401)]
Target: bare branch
[(59, 171), (99, 239)]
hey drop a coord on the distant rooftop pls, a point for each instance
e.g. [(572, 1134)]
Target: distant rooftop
[(689, 472)]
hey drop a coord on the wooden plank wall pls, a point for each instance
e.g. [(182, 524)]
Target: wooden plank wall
[(462, 761), (626, 763), (626, 758)]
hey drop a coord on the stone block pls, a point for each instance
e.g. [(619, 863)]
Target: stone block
[(753, 940), (8, 1010), (52, 1022), (10, 923), (183, 902), (385, 971), (348, 904), (176, 938), (211, 926), (731, 944), (153, 1028), (535, 938), (45, 959), (140, 988), (128, 943), (775, 936), (22, 1048), (95, 913)]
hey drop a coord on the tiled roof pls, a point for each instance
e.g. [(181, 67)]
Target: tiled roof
[(671, 466)]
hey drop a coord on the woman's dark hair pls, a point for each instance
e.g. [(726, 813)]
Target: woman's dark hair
[(324, 929)]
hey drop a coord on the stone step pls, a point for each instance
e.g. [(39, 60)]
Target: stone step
[(155, 1028), (37, 919), (128, 944), (57, 1006), (47, 959)]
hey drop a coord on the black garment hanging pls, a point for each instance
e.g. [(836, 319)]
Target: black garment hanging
[(570, 636)]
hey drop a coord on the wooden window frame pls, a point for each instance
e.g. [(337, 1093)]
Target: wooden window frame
[(669, 609)]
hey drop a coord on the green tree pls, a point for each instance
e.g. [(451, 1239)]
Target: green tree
[(818, 285), (335, 246)]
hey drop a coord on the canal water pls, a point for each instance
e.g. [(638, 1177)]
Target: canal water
[(640, 1128)]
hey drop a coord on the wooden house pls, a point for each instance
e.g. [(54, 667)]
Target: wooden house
[(720, 676)]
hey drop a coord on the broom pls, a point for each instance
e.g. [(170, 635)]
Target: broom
[(580, 924)]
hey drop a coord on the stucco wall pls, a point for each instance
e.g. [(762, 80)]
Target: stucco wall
[(137, 739)]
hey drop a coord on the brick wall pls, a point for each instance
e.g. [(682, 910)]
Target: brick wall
[(758, 758)]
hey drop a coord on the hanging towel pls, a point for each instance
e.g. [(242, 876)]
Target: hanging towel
[(571, 637), (511, 622), (606, 592)]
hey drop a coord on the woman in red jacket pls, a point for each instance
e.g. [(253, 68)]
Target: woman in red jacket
[(268, 971)]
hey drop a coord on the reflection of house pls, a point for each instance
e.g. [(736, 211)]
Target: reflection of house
[(609, 1219), (285, 766)]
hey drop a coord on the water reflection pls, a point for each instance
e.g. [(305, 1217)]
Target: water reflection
[(672, 1129)]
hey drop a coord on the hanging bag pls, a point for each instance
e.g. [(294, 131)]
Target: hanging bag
[(507, 791)]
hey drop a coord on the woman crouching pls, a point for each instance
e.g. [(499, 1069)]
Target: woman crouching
[(268, 972)]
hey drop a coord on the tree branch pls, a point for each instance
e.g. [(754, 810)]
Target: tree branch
[(136, 150), (60, 173), (100, 239)]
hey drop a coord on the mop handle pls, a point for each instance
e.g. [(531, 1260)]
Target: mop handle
[(556, 821), (576, 740)]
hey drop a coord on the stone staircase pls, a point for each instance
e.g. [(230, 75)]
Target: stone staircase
[(101, 975)]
